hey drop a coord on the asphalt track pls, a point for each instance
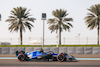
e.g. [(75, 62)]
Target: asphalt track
[(16, 63), (79, 63)]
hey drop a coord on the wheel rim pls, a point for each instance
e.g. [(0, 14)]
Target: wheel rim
[(21, 57), (60, 57)]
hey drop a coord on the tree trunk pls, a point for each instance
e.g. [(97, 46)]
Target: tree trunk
[(98, 35), (59, 33), (21, 42)]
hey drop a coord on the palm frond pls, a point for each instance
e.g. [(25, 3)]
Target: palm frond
[(52, 21), (95, 9), (19, 19), (12, 26), (69, 24), (92, 24), (66, 26), (58, 22), (11, 20), (59, 13), (67, 19), (92, 19), (31, 19), (28, 25), (53, 28)]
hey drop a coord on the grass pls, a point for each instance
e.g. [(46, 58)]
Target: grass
[(79, 45), (50, 45)]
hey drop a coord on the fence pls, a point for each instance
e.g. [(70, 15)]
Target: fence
[(69, 50), (52, 40)]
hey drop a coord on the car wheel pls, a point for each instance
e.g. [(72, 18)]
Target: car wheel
[(60, 57), (21, 57)]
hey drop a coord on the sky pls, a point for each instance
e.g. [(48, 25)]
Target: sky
[(77, 10)]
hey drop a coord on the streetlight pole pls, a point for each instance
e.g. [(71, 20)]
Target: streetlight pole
[(43, 34), (43, 18)]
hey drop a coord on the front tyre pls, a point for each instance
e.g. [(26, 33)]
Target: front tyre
[(60, 57), (21, 57)]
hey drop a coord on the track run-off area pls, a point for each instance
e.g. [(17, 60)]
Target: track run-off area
[(79, 63)]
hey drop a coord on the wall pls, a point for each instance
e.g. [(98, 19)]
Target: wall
[(68, 50)]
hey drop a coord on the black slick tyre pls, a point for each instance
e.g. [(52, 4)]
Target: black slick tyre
[(60, 57), (21, 57)]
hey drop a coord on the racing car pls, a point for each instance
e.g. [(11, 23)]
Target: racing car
[(41, 55)]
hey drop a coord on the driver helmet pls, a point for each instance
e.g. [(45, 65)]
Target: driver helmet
[(41, 50)]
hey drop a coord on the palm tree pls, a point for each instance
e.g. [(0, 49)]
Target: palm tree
[(59, 22), (92, 19), (20, 20)]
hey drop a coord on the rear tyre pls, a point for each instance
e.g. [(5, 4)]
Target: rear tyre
[(60, 57), (21, 57)]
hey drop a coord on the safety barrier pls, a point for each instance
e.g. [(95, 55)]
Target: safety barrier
[(69, 50)]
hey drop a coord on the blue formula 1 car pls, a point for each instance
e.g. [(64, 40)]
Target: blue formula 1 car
[(41, 55)]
